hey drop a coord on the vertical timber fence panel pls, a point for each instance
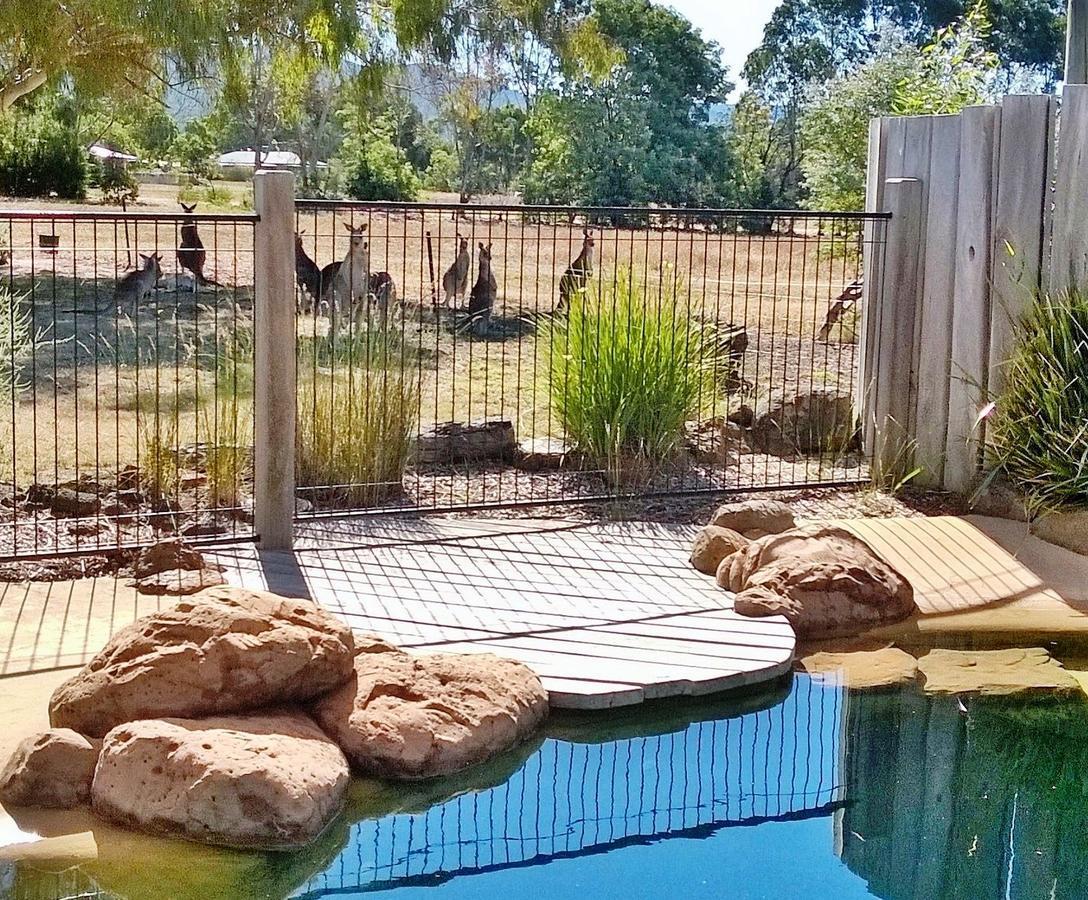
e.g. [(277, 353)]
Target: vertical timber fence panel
[(1000, 220)]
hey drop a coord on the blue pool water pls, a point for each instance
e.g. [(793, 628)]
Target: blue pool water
[(805, 790)]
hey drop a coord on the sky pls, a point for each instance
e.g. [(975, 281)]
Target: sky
[(735, 24)]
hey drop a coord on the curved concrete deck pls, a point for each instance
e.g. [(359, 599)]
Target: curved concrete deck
[(607, 615)]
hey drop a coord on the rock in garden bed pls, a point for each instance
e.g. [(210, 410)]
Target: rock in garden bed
[(825, 580), (812, 423), (51, 769), (222, 650), (268, 781), (474, 442), (406, 716)]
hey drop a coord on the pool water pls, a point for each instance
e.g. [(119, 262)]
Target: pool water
[(803, 790)]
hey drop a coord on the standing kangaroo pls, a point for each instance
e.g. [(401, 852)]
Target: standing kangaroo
[(482, 299), (308, 275), (347, 291), (135, 286), (578, 273), (191, 252), (455, 281)]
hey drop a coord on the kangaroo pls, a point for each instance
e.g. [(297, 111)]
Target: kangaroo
[(383, 289), (348, 288), (578, 272), (191, 252), (135, 286), (308, 275), (482, 299), (455, 281)]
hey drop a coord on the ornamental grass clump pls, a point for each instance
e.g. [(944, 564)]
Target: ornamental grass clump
[(1039, 429), (628, 368)]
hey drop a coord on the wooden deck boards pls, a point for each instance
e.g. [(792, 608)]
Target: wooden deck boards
[(607, 615)]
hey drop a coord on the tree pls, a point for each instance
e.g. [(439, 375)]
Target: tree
[(373, 166), (643, 132), (763, 173), (953, 71)]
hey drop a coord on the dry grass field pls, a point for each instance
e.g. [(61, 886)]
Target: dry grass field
[(96, 387)]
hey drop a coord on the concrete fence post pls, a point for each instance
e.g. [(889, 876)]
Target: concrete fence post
[(888, 401), (274, 393)]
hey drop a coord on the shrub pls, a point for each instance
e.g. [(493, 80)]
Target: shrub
[(1039, 431), (118, 185), (17, 342), (39, 156), (373, 166), (355, 426), (628, 370)]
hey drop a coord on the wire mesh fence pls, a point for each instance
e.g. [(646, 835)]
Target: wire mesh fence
[(126, 373), (454, 357), (447, 357)]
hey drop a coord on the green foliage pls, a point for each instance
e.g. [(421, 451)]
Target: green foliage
[(953, 71), (956, 69), (17, 340), (763, 170), (196, 148), (373, 167), (627, 370), (643, 132), (40, 156), (117, 184), (355, 429), (1038, 435)]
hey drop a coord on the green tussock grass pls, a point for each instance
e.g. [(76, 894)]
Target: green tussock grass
[(1038, 434), (627, 369)]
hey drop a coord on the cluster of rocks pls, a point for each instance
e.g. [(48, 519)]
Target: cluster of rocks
[(824, 579), (488, 442), (90, 506), (236, 717)]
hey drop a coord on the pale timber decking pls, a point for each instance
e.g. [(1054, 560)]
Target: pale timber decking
[(607, 615)]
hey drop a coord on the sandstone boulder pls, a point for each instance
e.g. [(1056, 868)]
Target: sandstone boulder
[(994, 672), (180, 582), (816, 422), (50, 769), (271, 780), (861, 669), (766, 516), (712, 545), (825, 580), (223, 650), (406, 716), (167, 556)]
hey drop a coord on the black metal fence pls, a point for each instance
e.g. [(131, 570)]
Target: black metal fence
[(474, 356), (448, 357), (126, 377)]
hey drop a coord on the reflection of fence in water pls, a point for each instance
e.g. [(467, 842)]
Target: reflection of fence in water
[(570, 799)]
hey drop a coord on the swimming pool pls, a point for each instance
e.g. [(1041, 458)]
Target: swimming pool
[(805, 789)]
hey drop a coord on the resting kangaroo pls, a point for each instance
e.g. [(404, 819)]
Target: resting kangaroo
[(309, 277), (135, 286), (484, 292), (191, 252), (578, 273), (348, 288), (455, 281)]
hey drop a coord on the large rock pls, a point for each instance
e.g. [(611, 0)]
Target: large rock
[(51, 769), (995, 672), (271, 780), (406, 716), (712, 545), (474, 442), (165, 556), (748, 516), (1066, 528), (816, 422), (825, 580), (861, 669), (223, 650)]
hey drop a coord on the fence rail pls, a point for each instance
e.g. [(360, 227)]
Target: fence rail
[(131, 362)]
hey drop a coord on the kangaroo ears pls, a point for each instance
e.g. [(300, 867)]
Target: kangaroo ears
[(359, 230), (299, 234), (189, 209)]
